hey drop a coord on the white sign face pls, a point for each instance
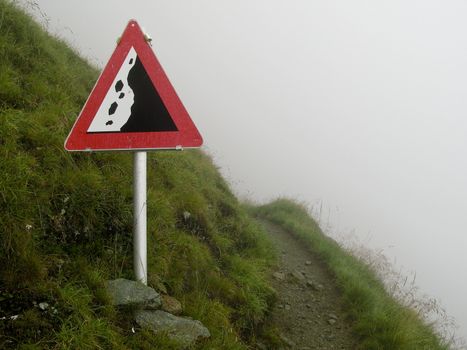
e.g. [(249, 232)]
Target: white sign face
[(115, 109)]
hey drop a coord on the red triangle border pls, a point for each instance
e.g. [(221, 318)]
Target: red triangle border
[(187, 135)]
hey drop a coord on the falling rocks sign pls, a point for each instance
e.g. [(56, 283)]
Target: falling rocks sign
[(133, 105)]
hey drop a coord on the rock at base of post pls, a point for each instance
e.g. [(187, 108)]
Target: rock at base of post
[(183, 330)]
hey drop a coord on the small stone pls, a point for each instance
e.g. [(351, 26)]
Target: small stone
[(280, 306), (308, 262), (287, 307), (186, 215), (298, 275), (331, 321), (308, 306), (43, 306), (314, 286), (171, 305), (279, 276), (333, 316)]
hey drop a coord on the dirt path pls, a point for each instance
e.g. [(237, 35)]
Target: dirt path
[(308, 313)]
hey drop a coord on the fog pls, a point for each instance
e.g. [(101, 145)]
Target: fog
[(358, 105)]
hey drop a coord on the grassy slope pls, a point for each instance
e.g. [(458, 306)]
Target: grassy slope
[(379, 321), (65, 219)]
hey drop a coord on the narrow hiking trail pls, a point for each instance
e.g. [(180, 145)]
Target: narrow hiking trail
[(308, 313)]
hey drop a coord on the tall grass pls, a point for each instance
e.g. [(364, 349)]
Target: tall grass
[(380, 322), (66, 221)]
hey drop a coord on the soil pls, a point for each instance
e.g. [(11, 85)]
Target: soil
[(308, 313)]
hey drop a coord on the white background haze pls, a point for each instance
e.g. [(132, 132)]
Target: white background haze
[(358, 104)]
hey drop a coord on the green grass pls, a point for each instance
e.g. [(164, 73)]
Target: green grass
[(66, 219), (378, 320)]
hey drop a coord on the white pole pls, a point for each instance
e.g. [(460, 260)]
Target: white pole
[(140, 217)]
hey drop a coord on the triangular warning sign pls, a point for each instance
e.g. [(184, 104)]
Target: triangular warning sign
[(133, 105)]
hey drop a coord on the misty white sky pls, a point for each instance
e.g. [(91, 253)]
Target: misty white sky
[(358, 104)]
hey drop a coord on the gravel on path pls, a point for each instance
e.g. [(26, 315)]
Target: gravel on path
[(309, 312)]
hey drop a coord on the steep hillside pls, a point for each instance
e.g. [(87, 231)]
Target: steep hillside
[(66, 221)]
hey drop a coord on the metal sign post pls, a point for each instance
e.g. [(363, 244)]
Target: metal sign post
[(140, 216)]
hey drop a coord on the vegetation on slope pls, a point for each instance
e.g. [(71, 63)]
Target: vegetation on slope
[(379, 321), (66, 219)]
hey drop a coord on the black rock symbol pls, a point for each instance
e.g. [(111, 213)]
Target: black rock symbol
[(113, 108), (118, 86)]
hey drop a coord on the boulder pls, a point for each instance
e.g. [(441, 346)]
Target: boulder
[(185, 331), (124, 292)]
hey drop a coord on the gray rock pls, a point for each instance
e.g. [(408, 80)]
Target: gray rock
[(183, 330), (332, 321), (333, 316), (43, 306), (186, 215), (124, 292), (298, 275), (279, 276), (313, 285)]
